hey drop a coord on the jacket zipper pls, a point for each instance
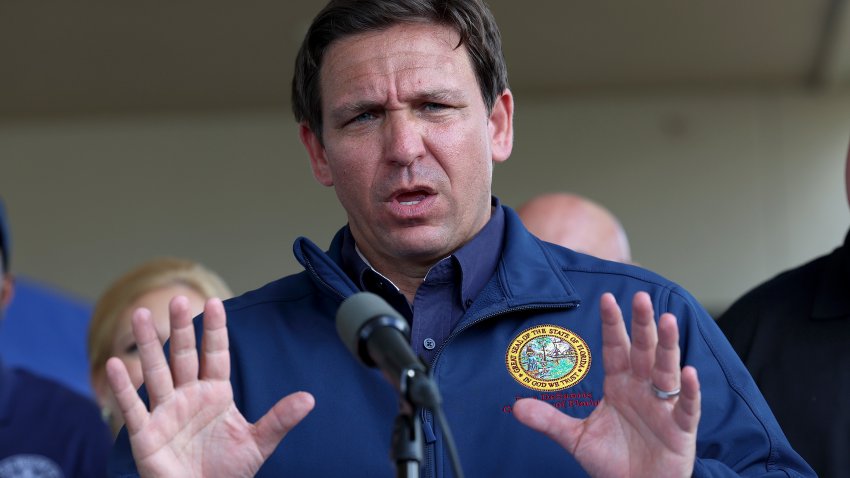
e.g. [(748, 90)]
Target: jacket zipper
[(429, 467), (427, 417)]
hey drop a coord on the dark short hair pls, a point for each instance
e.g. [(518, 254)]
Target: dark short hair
[(472, 19)]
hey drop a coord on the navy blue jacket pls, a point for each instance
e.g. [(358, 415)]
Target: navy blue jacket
[(283, 339)]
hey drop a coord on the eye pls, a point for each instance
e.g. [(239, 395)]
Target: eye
[(434, 106), (131, 349), (362, 117)]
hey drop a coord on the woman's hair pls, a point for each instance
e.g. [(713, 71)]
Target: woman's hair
[(150, 276)]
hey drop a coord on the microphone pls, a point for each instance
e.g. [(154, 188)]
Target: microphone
[(377, 335)]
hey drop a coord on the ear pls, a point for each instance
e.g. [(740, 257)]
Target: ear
[(7, 291), (501, 124), (318, 159)]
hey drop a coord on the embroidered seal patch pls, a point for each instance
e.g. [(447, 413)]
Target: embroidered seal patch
[(548, 357)]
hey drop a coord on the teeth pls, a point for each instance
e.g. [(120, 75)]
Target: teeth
[(408, 203)]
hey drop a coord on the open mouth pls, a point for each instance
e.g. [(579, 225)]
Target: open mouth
[(412, 198)]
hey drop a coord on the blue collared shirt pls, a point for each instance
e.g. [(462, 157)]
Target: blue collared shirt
[(448, 290)]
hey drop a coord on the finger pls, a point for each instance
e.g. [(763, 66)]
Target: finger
[(132, 408), (215, 352), (282, 417), (544, 418), (184, 355), (644, 336), (686, 412), (155, 370), (615, 340), (666, 372)]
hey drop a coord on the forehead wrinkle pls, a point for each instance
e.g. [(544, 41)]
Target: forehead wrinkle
[(393, 55), (394, 64), (390, 93), (385, 75)]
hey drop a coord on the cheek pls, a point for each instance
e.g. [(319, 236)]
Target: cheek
[(469, 170), (352, 191), (353, 173), (464, 151)]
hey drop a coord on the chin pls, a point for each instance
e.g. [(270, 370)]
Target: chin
[(421, 246)]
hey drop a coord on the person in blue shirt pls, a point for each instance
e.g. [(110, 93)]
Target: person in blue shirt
[(44, 331), (404, 109), (46, 429)]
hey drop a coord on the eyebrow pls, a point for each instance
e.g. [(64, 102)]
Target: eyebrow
[(441, 95), (345, 110)]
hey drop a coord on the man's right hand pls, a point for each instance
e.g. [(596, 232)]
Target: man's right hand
[(193, 427)]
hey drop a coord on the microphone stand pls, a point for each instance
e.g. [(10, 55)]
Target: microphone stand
[(378, 336), (407, 448), (407, 445)]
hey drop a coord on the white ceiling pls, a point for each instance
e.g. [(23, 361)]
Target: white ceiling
[(125, 57)]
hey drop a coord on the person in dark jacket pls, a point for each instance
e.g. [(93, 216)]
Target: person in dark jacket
[(404, 108), (792, 333)]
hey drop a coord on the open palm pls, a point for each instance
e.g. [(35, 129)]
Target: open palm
[(193, 427), (632, 432)]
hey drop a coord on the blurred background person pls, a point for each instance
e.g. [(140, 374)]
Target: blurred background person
[(151, 285), (44, 331), (793, 334), (46, 429), (577, 223)]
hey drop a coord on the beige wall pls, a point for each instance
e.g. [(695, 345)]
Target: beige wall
[(717, 192)]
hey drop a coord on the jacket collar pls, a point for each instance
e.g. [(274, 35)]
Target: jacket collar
[(527, 274), (325, 267)]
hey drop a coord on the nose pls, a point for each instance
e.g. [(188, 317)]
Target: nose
[(403, 138)]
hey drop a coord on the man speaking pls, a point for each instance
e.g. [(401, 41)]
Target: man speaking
[(404, 110)]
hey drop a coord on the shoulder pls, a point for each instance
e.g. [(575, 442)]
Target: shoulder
[(773, 307), (286, 289), (291, 306), (793, 286), (582, 267), (49, 401), (54, 420)]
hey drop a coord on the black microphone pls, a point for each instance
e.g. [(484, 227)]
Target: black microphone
[(378, 336)]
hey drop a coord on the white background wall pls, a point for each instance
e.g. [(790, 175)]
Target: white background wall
[(716, 192)]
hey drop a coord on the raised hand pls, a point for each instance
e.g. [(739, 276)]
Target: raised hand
[(646, 423), (193, 427)]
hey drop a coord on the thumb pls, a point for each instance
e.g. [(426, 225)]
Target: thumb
[(283, 416), (544, 418)]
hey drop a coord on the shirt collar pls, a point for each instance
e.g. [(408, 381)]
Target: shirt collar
[(477, 259)]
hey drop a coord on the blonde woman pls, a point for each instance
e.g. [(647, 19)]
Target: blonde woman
[(151, 285)]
